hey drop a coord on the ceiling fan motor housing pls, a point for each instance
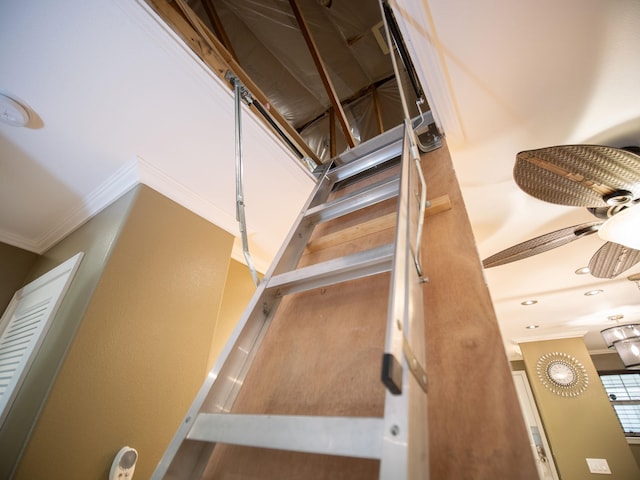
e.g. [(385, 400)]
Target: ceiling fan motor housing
[(619, 197)]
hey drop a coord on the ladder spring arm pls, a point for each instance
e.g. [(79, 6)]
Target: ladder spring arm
[(240, 210)]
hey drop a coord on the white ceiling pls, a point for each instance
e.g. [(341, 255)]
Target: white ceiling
[(511, 76), (116, 99)]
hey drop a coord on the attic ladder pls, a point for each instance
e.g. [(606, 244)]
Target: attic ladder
[(399, 438)]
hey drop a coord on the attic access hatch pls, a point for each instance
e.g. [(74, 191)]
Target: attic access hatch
[(320, 76)]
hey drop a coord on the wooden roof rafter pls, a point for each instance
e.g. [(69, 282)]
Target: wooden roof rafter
[(218, 27), (322, 71), (369, 90)]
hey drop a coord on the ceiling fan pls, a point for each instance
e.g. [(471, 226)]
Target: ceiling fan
[(606, 180)]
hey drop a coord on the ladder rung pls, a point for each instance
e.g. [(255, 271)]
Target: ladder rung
[(350, 267), (362, 198), (346, 436), (378, 157)]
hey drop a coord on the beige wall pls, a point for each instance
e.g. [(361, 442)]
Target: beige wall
[(140, 352), (602, 362), (15, 264), (579, 427), (238, 290)]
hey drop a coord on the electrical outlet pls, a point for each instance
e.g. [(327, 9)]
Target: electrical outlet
[(598, 465)]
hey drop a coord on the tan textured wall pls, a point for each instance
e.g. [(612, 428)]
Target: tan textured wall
[(140, 353), (238, 290), (635, 450), (579, 427), (15, 264)]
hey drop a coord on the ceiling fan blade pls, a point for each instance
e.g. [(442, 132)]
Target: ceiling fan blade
[(541, 244), (612, 259), (577, 175)]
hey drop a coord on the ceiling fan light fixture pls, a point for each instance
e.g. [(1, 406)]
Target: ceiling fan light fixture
[(629, 351), (623, 228), (612, 335), (626, 340)]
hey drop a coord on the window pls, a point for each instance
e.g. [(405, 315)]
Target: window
[(624, 393)]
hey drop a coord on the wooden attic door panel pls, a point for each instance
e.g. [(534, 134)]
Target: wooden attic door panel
[(24, 325)]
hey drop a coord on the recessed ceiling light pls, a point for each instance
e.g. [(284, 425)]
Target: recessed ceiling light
[(12, 112), (582, 271), (591, 293), (532, 327), (529, 302)]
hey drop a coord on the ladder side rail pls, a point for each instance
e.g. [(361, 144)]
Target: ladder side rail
[(414, 337), (405, 446)]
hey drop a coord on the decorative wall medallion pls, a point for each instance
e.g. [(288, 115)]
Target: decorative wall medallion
[(562, 374)]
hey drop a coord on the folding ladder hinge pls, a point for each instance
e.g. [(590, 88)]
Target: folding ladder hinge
[(417, 370), (244, 93), (429, 140)]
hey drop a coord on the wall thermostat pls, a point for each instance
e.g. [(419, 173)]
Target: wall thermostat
[(124, 464)]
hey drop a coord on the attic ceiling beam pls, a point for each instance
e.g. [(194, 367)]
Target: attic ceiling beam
[(206, 45), (356, 96), (218, 27), (322, 70)]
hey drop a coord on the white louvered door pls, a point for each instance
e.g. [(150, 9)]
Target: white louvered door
[(24, 325)]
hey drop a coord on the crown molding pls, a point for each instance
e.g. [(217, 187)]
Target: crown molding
[(163, 183), (551, 336), (17, 241), (110, 190)]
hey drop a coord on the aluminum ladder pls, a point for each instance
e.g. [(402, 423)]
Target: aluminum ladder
[(399, 438)]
